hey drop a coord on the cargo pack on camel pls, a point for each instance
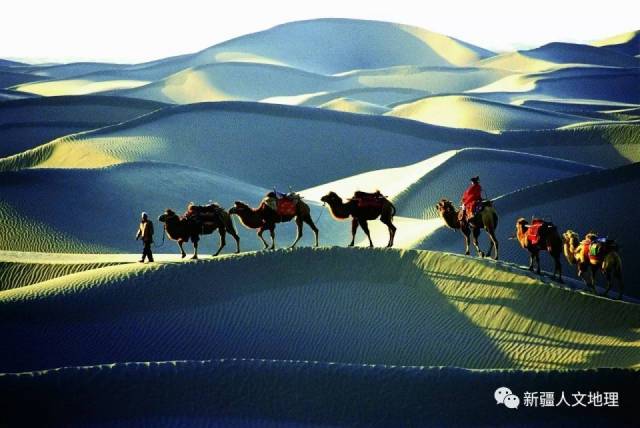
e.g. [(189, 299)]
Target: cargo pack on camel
[(207, 216), (373, 200)]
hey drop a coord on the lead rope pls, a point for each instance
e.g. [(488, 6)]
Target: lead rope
[(164, 232), (321, 212)]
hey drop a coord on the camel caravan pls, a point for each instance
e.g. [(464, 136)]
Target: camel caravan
[(590, 255), (275, 208)]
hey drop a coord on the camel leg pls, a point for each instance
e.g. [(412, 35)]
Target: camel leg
[(365, 227), (195, 249), (537, 256), (494, 243), (272, 232), (354, 229), (531, 261), (392, 230), (260, 232), (180, 243), (223, 240), (299, 231), (313, 227), (476, 233), (237, 238), (558, 268), (465, 234)]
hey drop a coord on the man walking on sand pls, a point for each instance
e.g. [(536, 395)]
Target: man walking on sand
[(145, 231)]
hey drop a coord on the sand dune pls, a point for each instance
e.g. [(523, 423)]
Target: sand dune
[(626, 43), (432, 79), (599, 201), (336, 41), (18, 137), (597, 110), (9, 94), (235, 81), (338, 45), (354, 106), (469, 112), (578, 83), (79, 85), (378, 96), (64, 71), (9, 78), (91, 109), (555, 55), (334, 304), (221, 137)]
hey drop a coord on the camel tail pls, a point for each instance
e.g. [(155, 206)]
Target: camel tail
[(393, 210)]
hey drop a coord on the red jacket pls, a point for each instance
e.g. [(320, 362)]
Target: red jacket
[(472, 194)]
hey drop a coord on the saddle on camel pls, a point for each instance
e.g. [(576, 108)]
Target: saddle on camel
[(207, 216), (373, 200), (283, 204), (596, 249), (537, 230)]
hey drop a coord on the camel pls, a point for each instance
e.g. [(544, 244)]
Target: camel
[(576, 254), (361, 208), (549, 240), (265, 218), (183, 229), (486, 219)]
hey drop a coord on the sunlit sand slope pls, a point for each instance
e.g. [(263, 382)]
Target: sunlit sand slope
[(601, 201), (17, 274), (626, 43), (354, 106), (468, 112), (333, 304), (18, 137)]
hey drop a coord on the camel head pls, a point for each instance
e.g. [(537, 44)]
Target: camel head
[(330, 198), (168, 214), (239, 207), (571, 238), (445, 206)]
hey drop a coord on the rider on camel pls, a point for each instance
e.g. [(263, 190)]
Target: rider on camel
[(471, 198)]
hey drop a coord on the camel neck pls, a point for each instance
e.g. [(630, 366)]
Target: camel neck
[(339, 209), (451, 218)]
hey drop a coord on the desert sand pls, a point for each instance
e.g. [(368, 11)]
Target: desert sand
[(313, 106)]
